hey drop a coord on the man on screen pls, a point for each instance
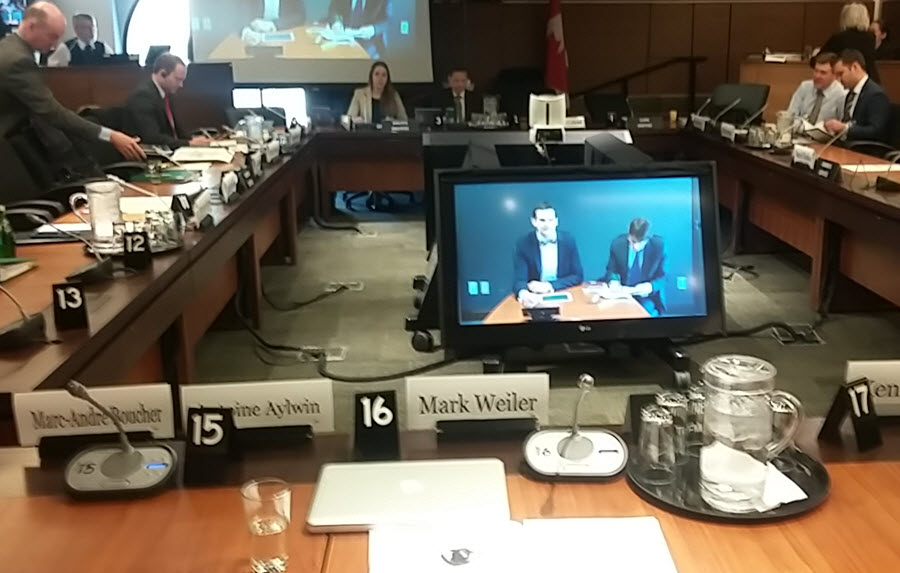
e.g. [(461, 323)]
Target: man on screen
[(366, 20), (545, 260), (637, 264)]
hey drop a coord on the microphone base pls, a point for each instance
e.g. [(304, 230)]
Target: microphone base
[(575, 447), (107, 471), (24, 333), (98, 272)]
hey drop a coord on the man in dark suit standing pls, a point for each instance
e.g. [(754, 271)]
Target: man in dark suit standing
[(546, 260), (458, 97), (151, 107), (23, 93), (867, 108), (637, 263)]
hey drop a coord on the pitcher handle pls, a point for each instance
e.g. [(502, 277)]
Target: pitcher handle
[(74, 199), (783, 401)]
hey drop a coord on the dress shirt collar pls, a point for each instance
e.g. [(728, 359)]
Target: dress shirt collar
[(82, 44), (548, 240), (162, 92), (859, 86)]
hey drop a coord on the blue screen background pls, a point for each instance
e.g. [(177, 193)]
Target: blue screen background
[(491, 217)]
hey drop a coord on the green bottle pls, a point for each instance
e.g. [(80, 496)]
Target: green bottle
[(7, 238)]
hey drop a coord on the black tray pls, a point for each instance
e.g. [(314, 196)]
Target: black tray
[(809, 474)]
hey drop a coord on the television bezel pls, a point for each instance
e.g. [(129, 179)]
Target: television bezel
[(475, 339)]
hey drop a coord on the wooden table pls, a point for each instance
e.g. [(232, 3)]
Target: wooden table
[(581, 308), (202, 530), (303, 47), (848, 229)]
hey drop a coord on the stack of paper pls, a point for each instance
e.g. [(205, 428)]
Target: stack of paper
[(634, 544), (189, 154)]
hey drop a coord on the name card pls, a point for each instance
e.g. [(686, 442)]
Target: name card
[(884, 381), (430, 399), (267, 404), (805, 156), (143, 407), (727, 131), (699, 121)]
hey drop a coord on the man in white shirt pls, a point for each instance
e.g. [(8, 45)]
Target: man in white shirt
[(82, 50), (821, 98), (546, 260), (867, 108)]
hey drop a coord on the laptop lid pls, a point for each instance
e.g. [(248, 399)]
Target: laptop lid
[(359, 496)]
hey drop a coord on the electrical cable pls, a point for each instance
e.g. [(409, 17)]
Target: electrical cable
[(323, 371), (261, 341), (15, 302), (743, 333), (288, 307)]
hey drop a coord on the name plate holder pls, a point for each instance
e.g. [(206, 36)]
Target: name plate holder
[(727, 130), (57, 449), (699, 121), (853, 399), (485, 430), (803, 157)]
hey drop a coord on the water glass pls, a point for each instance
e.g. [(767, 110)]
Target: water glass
[(102, 198), (677, 405), (267, 509), (696, 402), (656, 446)]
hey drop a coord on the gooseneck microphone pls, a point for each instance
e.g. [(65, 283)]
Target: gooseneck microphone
[(101, 271), (121, 464), (577, 446), (117, 469), (726, 109), (702, 107), (753, 117), (24, 333)]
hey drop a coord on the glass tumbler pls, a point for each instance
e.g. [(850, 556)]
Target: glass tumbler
[(267, 509)]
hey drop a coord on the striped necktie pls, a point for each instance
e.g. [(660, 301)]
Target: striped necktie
[(848, 105)]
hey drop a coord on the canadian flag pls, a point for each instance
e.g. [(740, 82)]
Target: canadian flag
[(556, 73)]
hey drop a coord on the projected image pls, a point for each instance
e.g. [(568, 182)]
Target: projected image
[(579, 250), (266, 32), (11, 11)]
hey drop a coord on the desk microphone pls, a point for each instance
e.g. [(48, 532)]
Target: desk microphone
[(702, 107), (123, 468), (753, 117), (577, 446), (98, 272), (24, 333), (727, 108), (834, 138)]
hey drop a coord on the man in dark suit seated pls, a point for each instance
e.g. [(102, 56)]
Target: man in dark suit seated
[(546, 260), (867, 109), (637, 264), (24, 95), (151, 107), (368, 20), (458, 97)]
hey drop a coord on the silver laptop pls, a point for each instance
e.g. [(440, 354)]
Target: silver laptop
[(359, 496)]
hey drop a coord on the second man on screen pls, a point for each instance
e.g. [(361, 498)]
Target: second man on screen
[(151, 107)]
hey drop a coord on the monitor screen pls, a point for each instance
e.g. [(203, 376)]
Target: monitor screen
[(11, 12), (602, 248)]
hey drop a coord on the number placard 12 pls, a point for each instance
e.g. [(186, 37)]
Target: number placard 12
[(376, 432), (137, 250), (69, 306)]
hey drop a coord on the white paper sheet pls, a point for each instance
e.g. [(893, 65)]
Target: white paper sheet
[(202, 154), (57, 227), (871, 168)]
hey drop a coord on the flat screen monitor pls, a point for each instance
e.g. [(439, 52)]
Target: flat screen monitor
[(12, 11), (531, 257), (605, 148), (547, 110)]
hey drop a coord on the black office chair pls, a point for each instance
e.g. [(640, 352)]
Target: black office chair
[(607, 109), (515, 85), (889, 149), (752, 98)]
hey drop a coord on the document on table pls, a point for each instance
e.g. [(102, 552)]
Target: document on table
[(587, 545), (202, 154), (56, 228), (871, 168)]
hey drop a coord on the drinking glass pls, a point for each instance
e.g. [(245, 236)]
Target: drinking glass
[(267, 508), (102, 198), (656, 446), (738, 440), (677, 405)]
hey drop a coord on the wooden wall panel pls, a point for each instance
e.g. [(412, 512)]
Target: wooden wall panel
[(754, 27), (712, 23), (820, 20), (671, 34), (449, 40), (596, 56)]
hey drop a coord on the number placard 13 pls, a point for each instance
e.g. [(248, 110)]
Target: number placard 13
[(69, 307)]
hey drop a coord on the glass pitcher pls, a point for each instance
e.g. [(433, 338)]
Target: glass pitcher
[(738, 436), (102, 198)]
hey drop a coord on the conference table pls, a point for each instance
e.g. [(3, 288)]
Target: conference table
[(203, 530), (580, 307), (307, 44)]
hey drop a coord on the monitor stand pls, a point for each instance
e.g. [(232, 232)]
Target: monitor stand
[(518, 359)]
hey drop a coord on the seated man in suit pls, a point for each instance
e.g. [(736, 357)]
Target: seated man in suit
[(546, 260), (822, 97), (82, 50), (367, 20), (867, 109), (24, 95), (151, 108), (458, 97), (637, 263)]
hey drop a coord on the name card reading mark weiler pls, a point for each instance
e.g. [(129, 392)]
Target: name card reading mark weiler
[(267, 404), (142, 407), (431, 399)]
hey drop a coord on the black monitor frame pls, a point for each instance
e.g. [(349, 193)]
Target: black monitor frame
[(470, 340)]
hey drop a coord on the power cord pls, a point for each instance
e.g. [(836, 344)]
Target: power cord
[(298, 305), (323, 371), (743, 333), (738, 269), (262, 342)]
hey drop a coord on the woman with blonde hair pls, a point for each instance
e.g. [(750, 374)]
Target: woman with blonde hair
[(855, 35)]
